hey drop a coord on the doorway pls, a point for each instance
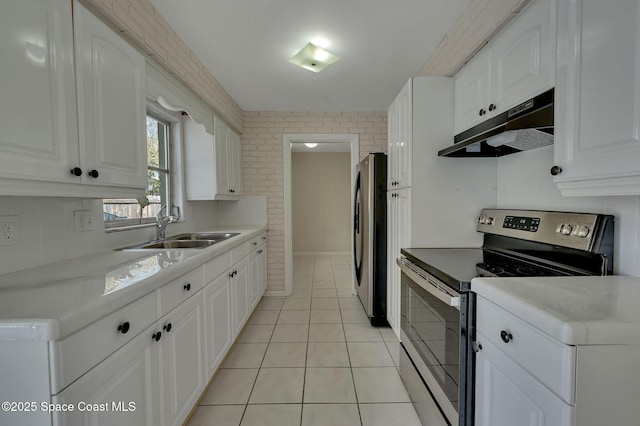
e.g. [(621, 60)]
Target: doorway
[(351, 142)]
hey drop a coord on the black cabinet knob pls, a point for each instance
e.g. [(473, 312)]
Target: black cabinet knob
[(124, 327), (76, 171), (157, 336), (477, 347), (167, 327), (93, 173), (187, 286), (492, 107), (231, 274), (482, 112), (259, 251), (556, 170), (506, 336)]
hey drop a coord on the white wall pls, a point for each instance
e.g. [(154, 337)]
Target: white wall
[(47, 228), (524, 182), (321, 202)]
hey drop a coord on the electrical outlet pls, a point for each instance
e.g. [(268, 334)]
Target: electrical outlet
[(9, 230), (83, 221)]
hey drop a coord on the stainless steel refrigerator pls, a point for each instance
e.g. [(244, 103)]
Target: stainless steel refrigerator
[(370, 236)]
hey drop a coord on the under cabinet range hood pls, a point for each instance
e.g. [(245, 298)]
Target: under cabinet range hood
[(523, 127)]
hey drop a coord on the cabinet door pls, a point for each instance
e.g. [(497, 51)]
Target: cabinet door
[(254, 279), (472, 92), (218, 321), (405, 135), (240, 293), (393, 272), (38, 117), (235, 164), (182, 359), (200, 166), (507, 395), (221, 134), (392, 144), (523, 57), (262, 269), (127, 382), (597, 106), (111, 105)]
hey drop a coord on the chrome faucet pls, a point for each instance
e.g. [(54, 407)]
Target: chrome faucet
[(162, 222)]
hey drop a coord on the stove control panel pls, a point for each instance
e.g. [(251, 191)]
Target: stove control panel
[(580, 231), (566, 229)]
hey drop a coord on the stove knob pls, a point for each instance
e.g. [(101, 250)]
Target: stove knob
[(559, 228), (566, 229), (483, 220), (489, 221), (583, 232)]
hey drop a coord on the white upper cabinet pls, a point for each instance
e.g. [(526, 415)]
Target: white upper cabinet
[(39, 139), (212, 162), (73, 120), (523, 61), (400, 138), (472, 92), (597, 108), (111, 105), (517, 65)]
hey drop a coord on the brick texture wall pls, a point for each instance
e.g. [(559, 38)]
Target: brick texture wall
[(141, 24), (479, 22), (262, 161)]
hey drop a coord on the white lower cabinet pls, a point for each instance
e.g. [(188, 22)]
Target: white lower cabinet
[(240, 293), (217, 298), (156, 377), (526, 377), (506, 394), (399, 231), (182, 359), (129, 376)]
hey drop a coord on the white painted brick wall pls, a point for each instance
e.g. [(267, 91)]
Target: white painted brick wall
[(142, 25), (262, 161), (479, 22)]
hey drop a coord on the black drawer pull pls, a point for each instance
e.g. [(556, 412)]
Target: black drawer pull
[(124, 327), (157, 336), (506, 336), (187, 286), (167, 327)]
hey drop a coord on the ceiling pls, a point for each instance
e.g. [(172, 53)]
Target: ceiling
[(246, 44)]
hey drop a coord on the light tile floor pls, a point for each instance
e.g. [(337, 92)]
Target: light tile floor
[(310, 359)]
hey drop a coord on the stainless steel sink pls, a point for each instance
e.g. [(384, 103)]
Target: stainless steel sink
[(205, 236), (185, 241), (172, 244)]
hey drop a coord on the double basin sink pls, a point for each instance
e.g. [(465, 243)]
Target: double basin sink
[(185, 241)]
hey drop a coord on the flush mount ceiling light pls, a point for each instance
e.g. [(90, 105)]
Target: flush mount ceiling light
[(313, 58), (311, 145)]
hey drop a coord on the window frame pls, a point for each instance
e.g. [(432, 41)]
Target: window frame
[(173, 120)]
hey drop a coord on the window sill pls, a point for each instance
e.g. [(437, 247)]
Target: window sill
[(129, 227)]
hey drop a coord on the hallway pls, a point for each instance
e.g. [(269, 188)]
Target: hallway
[(310, 359)]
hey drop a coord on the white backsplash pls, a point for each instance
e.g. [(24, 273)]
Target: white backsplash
[(47, 232), (524, 182)]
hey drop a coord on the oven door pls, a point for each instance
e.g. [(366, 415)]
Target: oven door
[(430, 325)]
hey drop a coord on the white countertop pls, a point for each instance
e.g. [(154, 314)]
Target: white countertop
[(53, 301), (573, 310)]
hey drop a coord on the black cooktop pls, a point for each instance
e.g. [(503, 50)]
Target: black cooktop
[(455, 267)]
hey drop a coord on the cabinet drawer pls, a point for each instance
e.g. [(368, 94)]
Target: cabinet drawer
[(216, 266), (173, 294), (78, 353), (548, 360)]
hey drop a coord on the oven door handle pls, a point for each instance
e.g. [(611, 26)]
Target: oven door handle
[(450, 297)]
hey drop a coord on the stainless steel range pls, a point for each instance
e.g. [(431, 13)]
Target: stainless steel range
[(438, 305)]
